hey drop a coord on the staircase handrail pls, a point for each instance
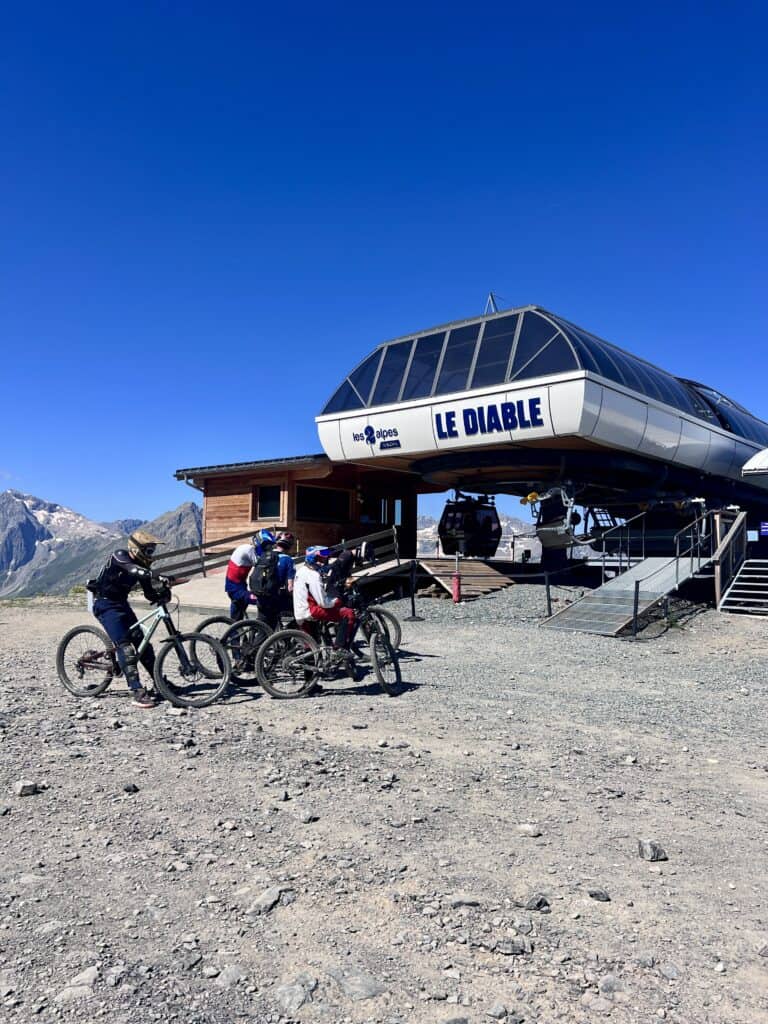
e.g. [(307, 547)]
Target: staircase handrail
[(729, 556), (623, 526), (695, 545)]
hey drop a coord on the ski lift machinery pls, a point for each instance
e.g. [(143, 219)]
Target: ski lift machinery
[(470, 526)]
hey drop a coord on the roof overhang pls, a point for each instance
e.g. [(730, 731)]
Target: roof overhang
[(194, 474)]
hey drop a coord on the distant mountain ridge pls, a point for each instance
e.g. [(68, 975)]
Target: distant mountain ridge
[(47, 548)]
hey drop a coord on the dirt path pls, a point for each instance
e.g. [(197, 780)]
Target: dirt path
[(419, 859)]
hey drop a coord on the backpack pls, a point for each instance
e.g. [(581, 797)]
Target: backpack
[(265, 581)]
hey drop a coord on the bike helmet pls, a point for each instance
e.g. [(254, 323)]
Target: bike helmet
[(142, 546), (264, 538), (285, 539), (316, 555)]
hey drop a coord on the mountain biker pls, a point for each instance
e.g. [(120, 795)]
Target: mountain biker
[(241, 561), (272, 580), (312, 603), (124, 571)]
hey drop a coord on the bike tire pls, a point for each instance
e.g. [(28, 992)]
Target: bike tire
[(72, 669), (215, 626), (242, 642), (188, 686), (390, 623), (280, 669), (386, 664)]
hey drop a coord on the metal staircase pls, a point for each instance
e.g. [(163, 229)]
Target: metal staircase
[(748, 593)]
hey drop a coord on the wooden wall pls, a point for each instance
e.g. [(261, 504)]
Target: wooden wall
[(227, 504)]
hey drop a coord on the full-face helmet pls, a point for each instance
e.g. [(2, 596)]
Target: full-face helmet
[(316, 555), (142, 547), (264, 539), (285, 540)]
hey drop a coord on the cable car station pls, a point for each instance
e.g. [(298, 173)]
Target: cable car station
[(518, 402)]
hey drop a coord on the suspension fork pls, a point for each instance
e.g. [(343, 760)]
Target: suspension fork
[(173, 638)]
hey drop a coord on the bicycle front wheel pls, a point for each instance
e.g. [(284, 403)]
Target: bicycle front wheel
[(288, 664), (242, 642), (386, 664), (216, 626), (192, 681), (85, 661), (389, 623)]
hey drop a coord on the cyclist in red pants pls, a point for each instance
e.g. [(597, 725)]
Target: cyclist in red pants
[(311, 601)]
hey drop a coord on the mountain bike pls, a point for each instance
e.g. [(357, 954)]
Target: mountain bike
[(290, 663), (191, 669)]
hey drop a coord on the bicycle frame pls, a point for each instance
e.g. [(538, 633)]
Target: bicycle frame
[(158, 615)]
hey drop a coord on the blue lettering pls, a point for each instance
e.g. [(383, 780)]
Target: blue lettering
[(494, 423), (470, 422), (508, 415), (439, 425), (521, 418), (450, 424), (534, 407), (481, 420)]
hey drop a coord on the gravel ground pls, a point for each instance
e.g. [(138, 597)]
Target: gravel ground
[(467, 851)]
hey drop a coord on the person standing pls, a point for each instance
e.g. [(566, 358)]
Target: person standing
[(241, 562)]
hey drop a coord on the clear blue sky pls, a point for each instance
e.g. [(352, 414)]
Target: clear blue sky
[(210, 213)]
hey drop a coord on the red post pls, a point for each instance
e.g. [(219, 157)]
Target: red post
[(456, 587)]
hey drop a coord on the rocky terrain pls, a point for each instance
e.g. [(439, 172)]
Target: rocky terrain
[(46, 548), (541, 828)]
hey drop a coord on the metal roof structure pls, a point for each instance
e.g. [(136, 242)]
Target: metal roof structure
[(234, 468), (511, 347)]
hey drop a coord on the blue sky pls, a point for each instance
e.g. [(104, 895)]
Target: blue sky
[(209, 216)]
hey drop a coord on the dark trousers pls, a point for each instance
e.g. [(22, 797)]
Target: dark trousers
[(121, 626), (239, 600)]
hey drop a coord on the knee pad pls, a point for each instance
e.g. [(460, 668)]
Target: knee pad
[(130, 660)]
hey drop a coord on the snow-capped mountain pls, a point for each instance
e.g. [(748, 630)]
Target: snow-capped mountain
[(47, 548)]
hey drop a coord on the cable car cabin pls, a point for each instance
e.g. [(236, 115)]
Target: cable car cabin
[(469, 526)]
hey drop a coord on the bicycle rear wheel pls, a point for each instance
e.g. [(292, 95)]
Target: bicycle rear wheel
[(288, 664), (85, 661), (242, 642), (216, 626), (192, 682), (386, 664)]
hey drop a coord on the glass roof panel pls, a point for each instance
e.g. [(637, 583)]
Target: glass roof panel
[(345, 397), (535, 333), (457, 359), (493, 357), (556, 357), (421, 375), (391, 373), (363, 377), (584, 354)]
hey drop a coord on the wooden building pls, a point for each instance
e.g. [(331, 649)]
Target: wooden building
[(319, 501)]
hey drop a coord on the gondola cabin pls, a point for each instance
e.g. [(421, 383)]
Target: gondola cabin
[(470, 526)]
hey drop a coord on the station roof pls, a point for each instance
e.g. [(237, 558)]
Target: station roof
[(234, 468), (513, 346)]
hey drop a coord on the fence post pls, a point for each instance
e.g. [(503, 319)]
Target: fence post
[(413, 617), (637, 605), (549, 595), (202, 560)]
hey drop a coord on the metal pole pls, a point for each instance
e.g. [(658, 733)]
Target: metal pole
[(413, 617), (637, 605), (549, 596)]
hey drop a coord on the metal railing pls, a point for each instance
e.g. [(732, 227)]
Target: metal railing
[(625, 536), (700, 536)]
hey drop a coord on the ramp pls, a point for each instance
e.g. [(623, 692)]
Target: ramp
[(477, 578), (611, 608)]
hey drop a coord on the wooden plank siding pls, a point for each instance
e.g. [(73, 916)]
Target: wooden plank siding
[(228, 505)]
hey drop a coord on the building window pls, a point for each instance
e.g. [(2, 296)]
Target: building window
[(265, 502), (322, 504)]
